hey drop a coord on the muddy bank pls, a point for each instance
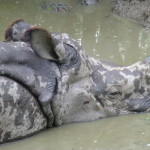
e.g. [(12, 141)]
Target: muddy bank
[(138, 10), (89, 2)]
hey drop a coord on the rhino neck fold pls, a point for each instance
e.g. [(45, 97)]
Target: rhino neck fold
[(37, 75)]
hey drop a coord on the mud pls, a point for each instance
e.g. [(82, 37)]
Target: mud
[(55, 7), (138, 10), (89, 2)]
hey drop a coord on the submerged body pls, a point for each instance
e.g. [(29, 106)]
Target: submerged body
[(81, 88)]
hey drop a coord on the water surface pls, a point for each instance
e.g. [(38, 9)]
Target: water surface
[(104, 36), (129, 132)]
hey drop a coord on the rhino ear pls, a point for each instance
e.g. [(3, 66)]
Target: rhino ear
[(42, 43), (15, 31), (9, 31)]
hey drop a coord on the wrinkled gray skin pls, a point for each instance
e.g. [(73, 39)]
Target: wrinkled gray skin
[(20, 114), (85, 89)]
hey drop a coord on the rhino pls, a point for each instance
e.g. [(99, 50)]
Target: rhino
[(47, 79)]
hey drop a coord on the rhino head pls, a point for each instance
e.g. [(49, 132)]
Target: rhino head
[(68, 85), (90, 89)]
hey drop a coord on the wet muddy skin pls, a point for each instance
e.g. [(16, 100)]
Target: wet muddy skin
[(106, 37)]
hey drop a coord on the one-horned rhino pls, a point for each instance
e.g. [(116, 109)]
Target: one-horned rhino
[(84, 89)]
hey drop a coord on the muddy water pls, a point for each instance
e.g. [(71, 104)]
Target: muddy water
[(118, 133), (104, 36)]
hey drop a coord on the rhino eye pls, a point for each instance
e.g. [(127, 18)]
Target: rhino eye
[(116, 93), (114, 90)]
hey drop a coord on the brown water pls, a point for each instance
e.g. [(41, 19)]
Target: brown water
[(118, 133), (104, 36)]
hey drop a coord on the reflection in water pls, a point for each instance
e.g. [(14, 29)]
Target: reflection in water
[(118, 133), (144, 40), (104, 36)]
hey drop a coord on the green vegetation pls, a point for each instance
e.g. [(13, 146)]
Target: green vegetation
[(146, 117)]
